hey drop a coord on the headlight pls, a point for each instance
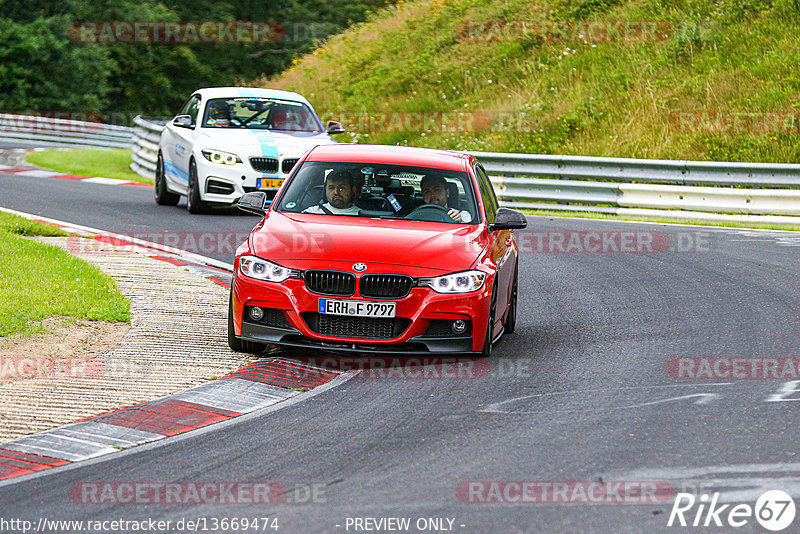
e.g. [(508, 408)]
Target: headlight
[(254, 267), (464, 282), (223, 158)]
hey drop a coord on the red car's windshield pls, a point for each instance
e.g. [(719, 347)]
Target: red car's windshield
[(381, 190)]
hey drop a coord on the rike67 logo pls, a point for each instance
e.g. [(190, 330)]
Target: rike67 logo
[(774, 510)]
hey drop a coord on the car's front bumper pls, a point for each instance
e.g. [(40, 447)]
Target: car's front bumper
[(421, 308), (226, 184)]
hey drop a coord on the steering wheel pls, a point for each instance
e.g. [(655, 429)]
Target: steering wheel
[(430, 212)]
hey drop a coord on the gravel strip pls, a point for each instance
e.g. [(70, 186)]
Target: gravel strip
[(177, 340)]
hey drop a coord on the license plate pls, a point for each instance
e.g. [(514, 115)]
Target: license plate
[(357, 308), (271, 183)]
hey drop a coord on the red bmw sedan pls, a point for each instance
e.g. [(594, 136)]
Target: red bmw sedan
[(377, 248)]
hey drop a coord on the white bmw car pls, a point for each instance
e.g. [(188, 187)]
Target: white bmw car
[(228, 141)]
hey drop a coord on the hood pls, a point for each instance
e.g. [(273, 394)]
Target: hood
[(302, 241), (261, 141)]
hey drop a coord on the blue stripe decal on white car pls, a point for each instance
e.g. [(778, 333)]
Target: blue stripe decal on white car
[(246, 92), (269, 149), (175, 171)]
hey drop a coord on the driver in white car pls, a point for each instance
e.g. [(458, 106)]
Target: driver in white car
[(435, 191), (219, 114)]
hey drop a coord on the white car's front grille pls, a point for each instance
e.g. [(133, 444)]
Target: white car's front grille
[(264, 164), (288, 164)]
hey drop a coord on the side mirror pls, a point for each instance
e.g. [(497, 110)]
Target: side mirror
[(254, 203), (333, 127), (184, 121), (507, 219)]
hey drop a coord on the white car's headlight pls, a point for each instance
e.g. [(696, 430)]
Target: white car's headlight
[(255, 267), (463, 282), (223, 158)]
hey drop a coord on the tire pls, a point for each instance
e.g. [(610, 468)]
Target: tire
[(236, 344), (511, 319), (162, 194), (193, 202), (487, 341)]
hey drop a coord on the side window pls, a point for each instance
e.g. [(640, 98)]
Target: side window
[(185, 107), (193, 108), (487, 194)]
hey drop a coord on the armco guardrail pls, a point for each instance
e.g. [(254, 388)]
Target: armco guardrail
[(643, 170), (628, 186), (609, 185), (52, 132), (146, 135)]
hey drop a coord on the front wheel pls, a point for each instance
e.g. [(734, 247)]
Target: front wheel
[(511, 319), (236, 344), (162, 194), (487, 341), (193, 202)]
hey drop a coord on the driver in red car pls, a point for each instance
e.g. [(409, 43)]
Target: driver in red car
[(435, 191)]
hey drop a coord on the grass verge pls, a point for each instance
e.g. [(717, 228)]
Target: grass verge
[(38, 281), (716, 82), (664, 220), (111, 163)]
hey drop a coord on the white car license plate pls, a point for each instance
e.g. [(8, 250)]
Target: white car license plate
[(271, 183), (357, 308)]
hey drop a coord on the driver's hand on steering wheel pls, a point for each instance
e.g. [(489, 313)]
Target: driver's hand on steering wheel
[(454, 214)]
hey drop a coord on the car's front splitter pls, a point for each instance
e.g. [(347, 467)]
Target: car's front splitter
[(291, 337)]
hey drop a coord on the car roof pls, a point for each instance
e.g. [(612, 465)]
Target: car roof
[(390, 154), (233, 92)]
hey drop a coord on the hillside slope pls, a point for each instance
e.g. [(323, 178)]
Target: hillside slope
[(694, 79)]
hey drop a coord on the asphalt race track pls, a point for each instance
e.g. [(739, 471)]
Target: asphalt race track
[(584, 391), (7, 144), (129, 211)]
